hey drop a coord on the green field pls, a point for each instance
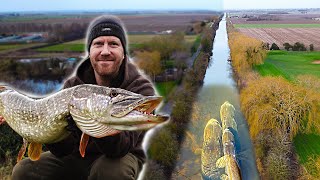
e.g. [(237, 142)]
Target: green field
[(78, 45), (14, 47), (10, 46), (290, 64), (65, 47), (164, 88), (307, 147), (277, 25), (138, 39)]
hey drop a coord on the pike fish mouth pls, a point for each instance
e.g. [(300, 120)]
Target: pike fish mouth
[(141, 109), (149, 105)]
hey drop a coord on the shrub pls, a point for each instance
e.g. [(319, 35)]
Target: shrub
[(274, 46)]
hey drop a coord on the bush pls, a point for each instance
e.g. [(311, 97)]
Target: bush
[(278, 164), (299, 47), (10, 142), (311, 47), (274, 46), (287, 46)]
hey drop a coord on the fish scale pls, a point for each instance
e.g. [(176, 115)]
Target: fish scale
[(22, 115)]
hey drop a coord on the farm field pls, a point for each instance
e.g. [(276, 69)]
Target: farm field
[(138, 23), (307, 147), (5, 48), (64, 47), (280, 27), (308, 150), (78, 45), (280, 36), (267, 17), (277, 25), (290, 64)]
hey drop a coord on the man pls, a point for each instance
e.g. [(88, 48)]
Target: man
[(113, 157)]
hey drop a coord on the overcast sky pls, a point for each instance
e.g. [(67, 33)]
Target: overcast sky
[(270, 4), (58, 5)]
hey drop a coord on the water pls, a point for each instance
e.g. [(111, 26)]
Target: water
[(218, 87), (37, 87), (45, 78)]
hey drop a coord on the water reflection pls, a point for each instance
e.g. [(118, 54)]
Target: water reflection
[(37, 87), (36, 76)]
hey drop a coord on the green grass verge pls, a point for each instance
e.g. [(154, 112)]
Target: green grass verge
[(140, 38), (10, 46), (289, 64), (164, 88), (192, 38), (63, 48), (277, 25), (306, 145), (14, 47)]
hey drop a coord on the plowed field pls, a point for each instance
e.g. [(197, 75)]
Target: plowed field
[(280, 36)]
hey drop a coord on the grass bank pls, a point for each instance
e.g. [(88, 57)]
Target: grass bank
[(289, 64)]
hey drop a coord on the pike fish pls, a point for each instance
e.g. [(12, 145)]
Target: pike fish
[(228, 161), (227, 116), (211, 149), (97, 111)]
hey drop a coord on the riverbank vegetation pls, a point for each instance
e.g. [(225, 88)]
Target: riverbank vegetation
[(278, 111), (165, 143)]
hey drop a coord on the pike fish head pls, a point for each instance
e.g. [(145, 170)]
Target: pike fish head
[(131, 110), (119, 108)]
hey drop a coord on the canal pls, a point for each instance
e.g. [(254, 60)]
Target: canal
[(218, 87)]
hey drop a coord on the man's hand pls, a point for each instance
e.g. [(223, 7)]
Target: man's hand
[(2, 121)]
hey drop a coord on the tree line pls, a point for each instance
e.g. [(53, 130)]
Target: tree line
[(55, 32), (298, 46), (165, 144)]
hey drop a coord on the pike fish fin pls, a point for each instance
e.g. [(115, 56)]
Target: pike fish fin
[(221, 162), (22, 150), (224, 177), (234, 124), (34, 151), (83, 144)]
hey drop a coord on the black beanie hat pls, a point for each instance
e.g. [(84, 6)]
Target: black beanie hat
[(107, 25)]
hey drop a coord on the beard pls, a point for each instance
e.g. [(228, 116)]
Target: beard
[(107, 68)]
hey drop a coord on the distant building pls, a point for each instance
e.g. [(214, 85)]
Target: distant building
[(30, 37), (165, 32)]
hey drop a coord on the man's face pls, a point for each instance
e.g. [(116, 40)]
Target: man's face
[(106, 55)]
